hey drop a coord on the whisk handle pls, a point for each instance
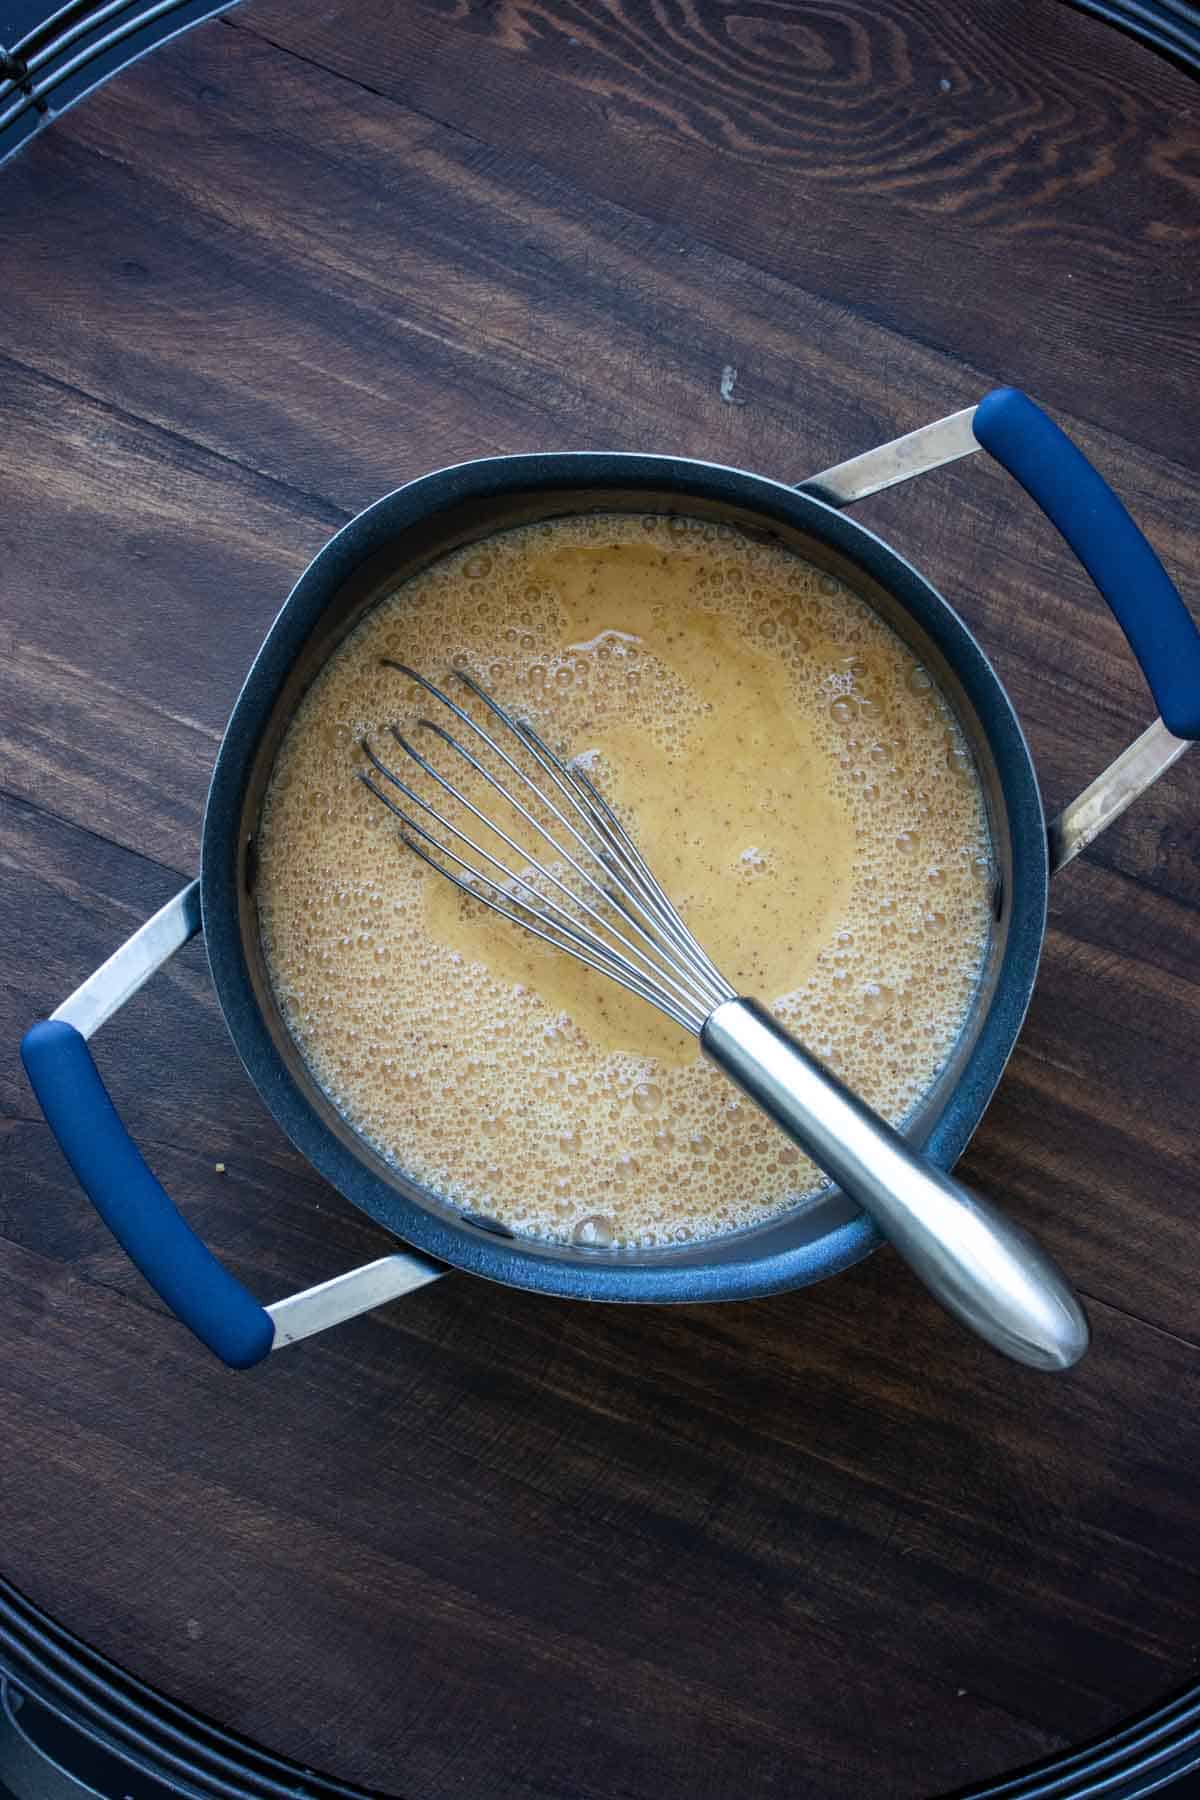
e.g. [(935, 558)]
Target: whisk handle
[(982, 1266)]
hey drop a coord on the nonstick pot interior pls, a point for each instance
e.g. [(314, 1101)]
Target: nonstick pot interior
[(365, 562)]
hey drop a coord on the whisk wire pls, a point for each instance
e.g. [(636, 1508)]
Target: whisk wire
[(669, 959), (597, 956), (986, 1272), (544, 905), (487, 739), (620, 845), (592, 807), (511, 875), (654, 962), (604, 892)]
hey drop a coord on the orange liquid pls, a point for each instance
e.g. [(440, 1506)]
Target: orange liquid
[(794, 780)]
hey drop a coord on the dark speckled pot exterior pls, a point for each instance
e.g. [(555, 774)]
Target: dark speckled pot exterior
[(366, 560)]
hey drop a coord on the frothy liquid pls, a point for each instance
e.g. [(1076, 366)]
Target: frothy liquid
[(795, 781)]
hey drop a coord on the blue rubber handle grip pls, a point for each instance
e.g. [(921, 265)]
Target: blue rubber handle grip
[(1085, 510), (136, 1209)]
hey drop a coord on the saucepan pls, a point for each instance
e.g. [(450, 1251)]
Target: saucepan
[(389, 542)]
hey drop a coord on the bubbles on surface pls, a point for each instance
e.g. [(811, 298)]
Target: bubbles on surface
[(466, 1077), (597, 1229)]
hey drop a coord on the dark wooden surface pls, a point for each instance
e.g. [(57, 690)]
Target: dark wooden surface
[(483, 1544)]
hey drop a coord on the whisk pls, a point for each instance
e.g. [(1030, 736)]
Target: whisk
[(594, 896)]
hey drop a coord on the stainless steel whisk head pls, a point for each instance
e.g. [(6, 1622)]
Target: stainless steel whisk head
[(595, 897), (613, 916)]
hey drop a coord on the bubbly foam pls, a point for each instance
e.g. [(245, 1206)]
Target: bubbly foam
[(798, 784)]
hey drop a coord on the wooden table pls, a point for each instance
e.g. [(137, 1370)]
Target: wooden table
[(484, 1544)]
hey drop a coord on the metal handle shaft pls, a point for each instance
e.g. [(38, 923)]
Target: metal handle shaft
[(982, 1266), (222, 1313)]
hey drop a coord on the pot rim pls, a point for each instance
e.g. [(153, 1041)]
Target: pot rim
[(743, 1265)]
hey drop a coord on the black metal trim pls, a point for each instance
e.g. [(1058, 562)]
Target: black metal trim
[(116, 1713), (89, 1709), (77, 48), (1171, 27), (101, 1707)]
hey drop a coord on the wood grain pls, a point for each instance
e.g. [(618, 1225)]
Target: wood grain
[(893, 157), (485, 1542)]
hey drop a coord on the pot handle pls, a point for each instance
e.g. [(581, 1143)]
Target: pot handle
[(133, 1204), (1083, 508), (108, 1164), (1079, 502), (114, 1175)]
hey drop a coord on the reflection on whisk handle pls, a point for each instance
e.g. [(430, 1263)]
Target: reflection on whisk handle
[(983, 1268)]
